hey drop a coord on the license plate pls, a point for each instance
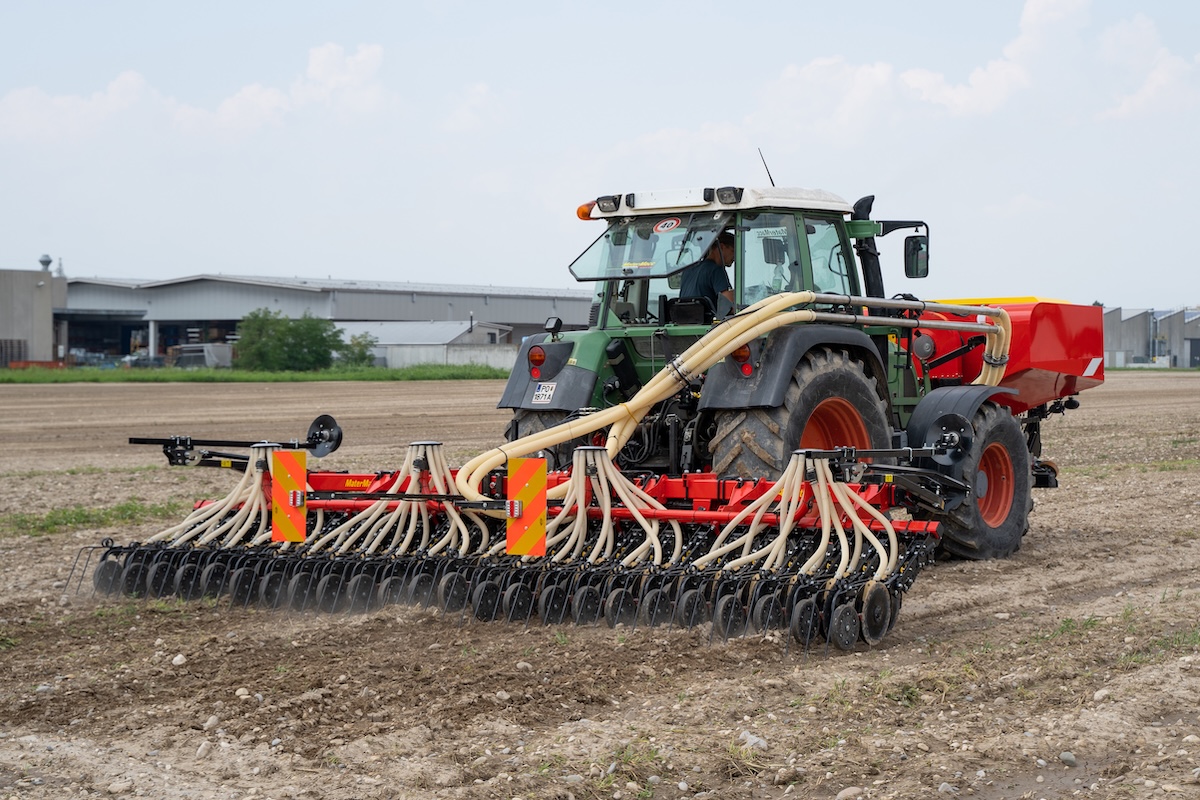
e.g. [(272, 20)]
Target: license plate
[(543, 393)]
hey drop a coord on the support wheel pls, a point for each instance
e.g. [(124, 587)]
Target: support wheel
[(420, 589), (272, 589), (331, 593), (189, 584), (991, 522)]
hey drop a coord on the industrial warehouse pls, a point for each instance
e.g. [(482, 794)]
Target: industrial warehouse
[(47, 317)]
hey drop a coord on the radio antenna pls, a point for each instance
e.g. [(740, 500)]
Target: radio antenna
[(768, 169)]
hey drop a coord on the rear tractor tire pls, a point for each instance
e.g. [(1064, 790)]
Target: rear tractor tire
[(830, 402), (991, 522)]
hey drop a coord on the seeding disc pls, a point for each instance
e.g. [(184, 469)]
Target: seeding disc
[(586, 605), (302, 591), (768, 612), (806, 622), (876, 612), (133, 579), (895, 610), (691, 610), (272, 589), (517, 602), (160, 579), (843, 626), (552, 604), (620, 608), (212, 578), (453, 591), (485, 600), (420, 589), (729, 617), (360, 591), (392, 590), (331, 593), (107, 577), (189, 582), (655, 608), (241, 586)]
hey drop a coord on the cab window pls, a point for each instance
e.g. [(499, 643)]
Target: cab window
[(831, 261), (770, 258)]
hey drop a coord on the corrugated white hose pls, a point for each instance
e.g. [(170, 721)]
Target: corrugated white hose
[(442, 480), (205, 514), (759, 508), (885, 569), (250, 501), (713, 346), (787, 503), (823, 481)]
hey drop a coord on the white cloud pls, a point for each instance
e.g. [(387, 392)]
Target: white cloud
[(988, 87), (334, 77), (347, 82), (1165, 80), (30, 113)]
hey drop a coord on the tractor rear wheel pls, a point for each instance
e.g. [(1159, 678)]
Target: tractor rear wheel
[(830, 402), (991, 522)]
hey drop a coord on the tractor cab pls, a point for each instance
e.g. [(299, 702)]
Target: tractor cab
[(786, 240)]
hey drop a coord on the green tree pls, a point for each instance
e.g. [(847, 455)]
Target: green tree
[(358, 352), (260, 344), (271, 342)]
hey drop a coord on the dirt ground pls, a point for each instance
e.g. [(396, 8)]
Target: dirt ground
[(1069, 670)]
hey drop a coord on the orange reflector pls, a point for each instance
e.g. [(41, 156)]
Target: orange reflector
[(584, 212), (289, 506), (526, 531)]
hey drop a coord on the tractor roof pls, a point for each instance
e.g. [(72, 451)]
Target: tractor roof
[(722, 199)]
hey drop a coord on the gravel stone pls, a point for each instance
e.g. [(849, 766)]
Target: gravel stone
[(179, 660), (1067, 757)]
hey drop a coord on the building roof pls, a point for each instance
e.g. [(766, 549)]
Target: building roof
[(330, 284), (416, 332)]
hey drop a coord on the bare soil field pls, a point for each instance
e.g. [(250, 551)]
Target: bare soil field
[(1071, 669)]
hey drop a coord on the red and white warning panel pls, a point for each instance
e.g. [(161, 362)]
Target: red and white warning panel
[(526, 530), (289, 507)]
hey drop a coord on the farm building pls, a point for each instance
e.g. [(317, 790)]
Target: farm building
[(118, 317)]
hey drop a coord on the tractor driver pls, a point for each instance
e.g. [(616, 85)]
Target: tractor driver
[(706, 278)]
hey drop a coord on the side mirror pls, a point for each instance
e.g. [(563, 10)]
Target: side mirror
[(916, 256)]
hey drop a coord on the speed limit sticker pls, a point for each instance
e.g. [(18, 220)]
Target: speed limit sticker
[(668, 224)]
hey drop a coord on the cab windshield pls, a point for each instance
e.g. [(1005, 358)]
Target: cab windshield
[(638, 248)]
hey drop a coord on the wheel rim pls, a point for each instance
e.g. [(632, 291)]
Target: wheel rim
[(996, 502), (835, 423)]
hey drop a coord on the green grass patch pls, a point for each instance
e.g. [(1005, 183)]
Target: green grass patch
[(7, 642), (417, 372), (77, 517)]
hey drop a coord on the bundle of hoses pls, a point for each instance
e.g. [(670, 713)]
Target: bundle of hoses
[(755, 321)]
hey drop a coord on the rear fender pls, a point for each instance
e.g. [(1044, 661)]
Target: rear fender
[(568, 379), (961, 400), (725, 387)]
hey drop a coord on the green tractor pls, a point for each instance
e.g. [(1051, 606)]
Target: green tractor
[(871, 373)]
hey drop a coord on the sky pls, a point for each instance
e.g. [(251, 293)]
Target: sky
[(1049, 144)]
